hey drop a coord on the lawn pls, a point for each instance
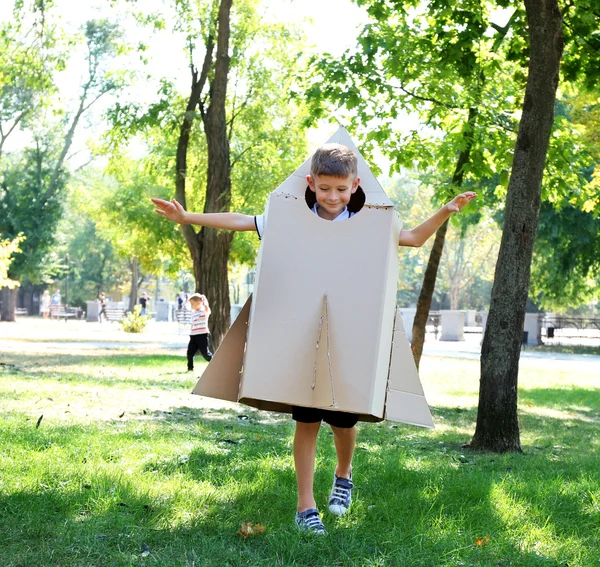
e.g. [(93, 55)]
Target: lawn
[(106, 460)]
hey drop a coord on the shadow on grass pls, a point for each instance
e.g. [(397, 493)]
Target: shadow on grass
[(67, 368), (420, 499), (24, 362)]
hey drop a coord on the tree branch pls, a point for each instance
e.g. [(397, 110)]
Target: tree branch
[(502, 31), (425, 99), (239, 156)]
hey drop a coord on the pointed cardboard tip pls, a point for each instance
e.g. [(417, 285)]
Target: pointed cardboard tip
[(295, 185), (408, 408)]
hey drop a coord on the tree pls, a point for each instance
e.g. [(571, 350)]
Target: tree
[(33, 185), (471, 252), (235, 137), (566, 266), (497, 427), (94, 233), (566, 263), (210, 247), (26, 68), (7, 249), (118, 205)]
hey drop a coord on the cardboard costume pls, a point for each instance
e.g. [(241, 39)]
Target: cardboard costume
[(321, 329)]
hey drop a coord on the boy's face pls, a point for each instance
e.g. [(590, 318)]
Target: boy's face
[(332, 193), (196, 304)]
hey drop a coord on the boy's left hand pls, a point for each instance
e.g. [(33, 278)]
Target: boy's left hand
[(461, 201)]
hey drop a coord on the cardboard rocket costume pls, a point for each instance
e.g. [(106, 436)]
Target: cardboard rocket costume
[(321, 329)]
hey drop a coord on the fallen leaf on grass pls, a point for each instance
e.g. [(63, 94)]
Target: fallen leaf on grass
[(145, 550), (250, 529), (481, 541), (39, 421)]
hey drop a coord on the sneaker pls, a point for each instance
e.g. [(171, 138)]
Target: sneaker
[(341, 495), (309, 521)]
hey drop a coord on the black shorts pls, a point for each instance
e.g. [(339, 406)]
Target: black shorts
[(340, 419)]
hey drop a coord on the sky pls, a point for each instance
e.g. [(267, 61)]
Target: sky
[(330, 25)]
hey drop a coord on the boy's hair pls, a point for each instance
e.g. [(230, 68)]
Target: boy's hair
[(335, 160)]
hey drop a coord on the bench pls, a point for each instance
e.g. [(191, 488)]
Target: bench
[(60, 312), (184, 318), (20, 311), (114, 313)]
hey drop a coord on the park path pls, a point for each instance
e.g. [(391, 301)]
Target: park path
[(34, 334)]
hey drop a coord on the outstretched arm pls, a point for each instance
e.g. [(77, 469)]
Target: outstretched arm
[(420, 234), (228, 221)]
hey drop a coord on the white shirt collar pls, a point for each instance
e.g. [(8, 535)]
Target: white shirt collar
[(345, 214)]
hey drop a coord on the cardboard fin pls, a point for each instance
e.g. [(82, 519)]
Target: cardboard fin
[(405, 400), (403, 371), (221, 378), (322, 385), (408, 408)]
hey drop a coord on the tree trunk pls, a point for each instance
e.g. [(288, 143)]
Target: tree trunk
[(9, 304), (497, 426), (209, 248), (211, 269), (426, 295), (135, 276)]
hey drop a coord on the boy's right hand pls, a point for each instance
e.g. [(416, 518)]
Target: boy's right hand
[(170, 209)]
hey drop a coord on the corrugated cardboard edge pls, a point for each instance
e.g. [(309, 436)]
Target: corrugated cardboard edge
[(405, 400), (221, 378), (287, 408)]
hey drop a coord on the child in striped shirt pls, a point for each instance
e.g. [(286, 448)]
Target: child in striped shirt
[(199, 330)]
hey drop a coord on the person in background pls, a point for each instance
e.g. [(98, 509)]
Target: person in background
[(144, 301), (199, 331), (55, 304), (45, 304), (102, 300)]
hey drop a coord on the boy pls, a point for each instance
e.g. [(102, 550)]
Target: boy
[(199, 330), (333, 180)]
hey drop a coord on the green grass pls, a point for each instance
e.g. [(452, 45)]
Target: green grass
[(126, 468), (565, 349)]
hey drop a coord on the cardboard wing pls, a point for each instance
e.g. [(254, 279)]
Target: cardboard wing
[(320, 330), (221, 379), (405, 401)]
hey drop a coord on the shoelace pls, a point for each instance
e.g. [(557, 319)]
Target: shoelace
[(312, 521), (340, 493)]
